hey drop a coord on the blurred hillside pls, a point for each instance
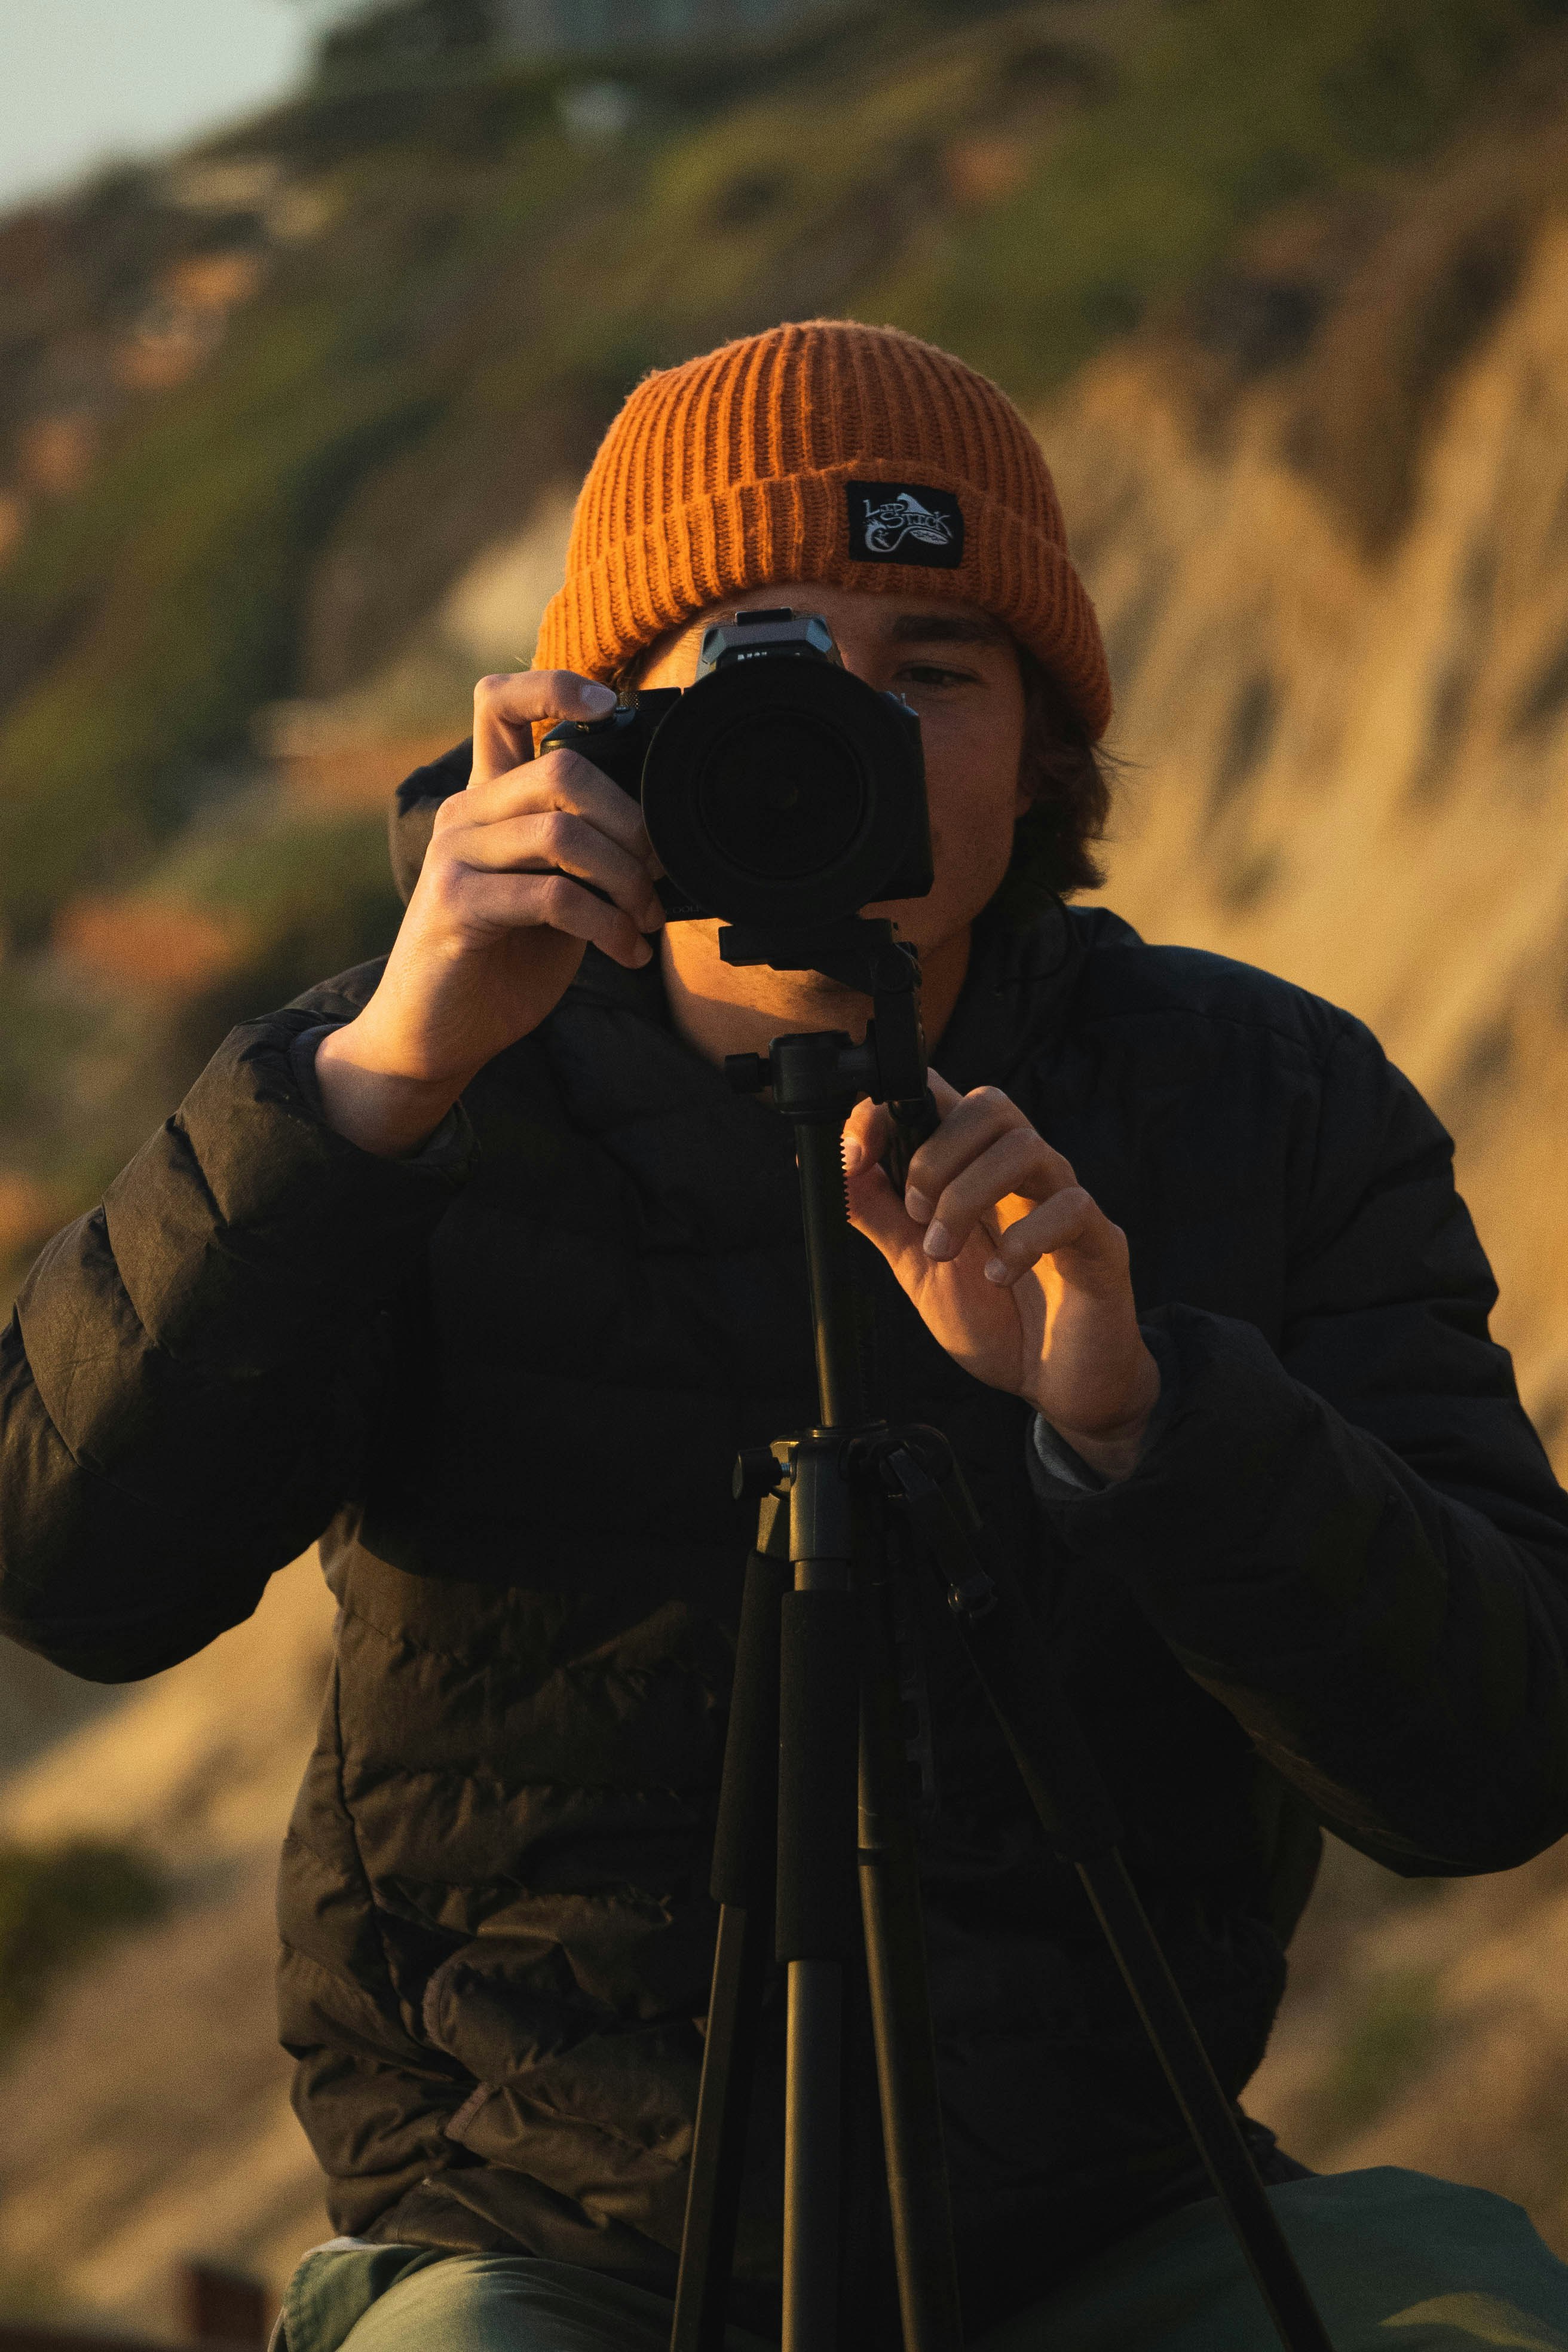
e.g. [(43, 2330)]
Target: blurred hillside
[(290, 431), (293, 420)]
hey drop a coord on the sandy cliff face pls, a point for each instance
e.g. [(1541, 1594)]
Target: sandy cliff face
[(1353, 768)]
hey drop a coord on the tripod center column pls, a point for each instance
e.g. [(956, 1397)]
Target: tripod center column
[(825, 1214)]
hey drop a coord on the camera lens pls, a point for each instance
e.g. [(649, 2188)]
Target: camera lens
[(779, 790), (781, 801)]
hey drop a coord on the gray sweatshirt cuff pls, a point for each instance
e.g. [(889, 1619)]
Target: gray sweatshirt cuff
[(1056, 1471), (1054, 1456)]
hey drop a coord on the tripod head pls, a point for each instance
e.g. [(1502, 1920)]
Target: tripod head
[(820, 1074)]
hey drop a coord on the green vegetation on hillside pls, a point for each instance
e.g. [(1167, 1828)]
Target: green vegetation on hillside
[(1228, 109), (200, 531)]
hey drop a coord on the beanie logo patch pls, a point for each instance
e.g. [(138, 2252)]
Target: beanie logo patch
[(904, 522)]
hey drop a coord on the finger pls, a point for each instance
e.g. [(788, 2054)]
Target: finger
[(875, 1208), (506, 705), (1017, 1163), (867, 1131), (969, 1126), (1070, 1226), (871, 1133), (560, 780), (877, 1211), (556, 841), (522, 902)]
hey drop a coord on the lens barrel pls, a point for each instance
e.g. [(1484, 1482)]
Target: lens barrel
[(788, 791)]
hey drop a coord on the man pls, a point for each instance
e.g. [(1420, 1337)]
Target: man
[(475, 1263)]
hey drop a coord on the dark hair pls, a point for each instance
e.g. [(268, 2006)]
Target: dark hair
[(1068, 785)]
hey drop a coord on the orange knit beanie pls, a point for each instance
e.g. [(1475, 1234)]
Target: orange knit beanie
[(825, 451)]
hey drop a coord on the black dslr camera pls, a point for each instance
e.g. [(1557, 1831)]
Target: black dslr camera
[(779, 790)]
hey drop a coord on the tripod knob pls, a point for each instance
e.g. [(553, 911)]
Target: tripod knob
[(757, 1467), (748, 1073)]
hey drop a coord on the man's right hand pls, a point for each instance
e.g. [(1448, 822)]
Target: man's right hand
[(499, 919)]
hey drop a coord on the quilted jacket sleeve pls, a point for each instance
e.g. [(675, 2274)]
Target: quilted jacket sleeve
[(186, 1382), (1355, 1540)]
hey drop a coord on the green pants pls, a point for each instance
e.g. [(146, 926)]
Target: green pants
[(1398, 2262)]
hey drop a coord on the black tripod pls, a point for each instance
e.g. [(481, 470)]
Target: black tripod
[(815, 1790)]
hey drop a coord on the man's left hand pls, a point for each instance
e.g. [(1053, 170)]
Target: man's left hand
[(1015, 1269)]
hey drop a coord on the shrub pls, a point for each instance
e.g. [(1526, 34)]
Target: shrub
[(58, 1904)]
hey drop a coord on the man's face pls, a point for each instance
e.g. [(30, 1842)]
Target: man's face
[(957, 669)]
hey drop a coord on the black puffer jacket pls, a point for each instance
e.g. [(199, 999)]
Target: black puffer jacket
[(509, 1380)]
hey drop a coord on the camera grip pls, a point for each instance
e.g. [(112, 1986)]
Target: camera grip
[(615, 746), (618, 746)]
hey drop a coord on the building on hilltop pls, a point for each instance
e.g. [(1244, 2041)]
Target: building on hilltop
[(420, 30), (536, 24)]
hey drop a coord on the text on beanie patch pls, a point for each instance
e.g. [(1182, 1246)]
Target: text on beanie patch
[(904, 522)]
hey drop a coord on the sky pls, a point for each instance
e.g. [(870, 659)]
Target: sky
[(83, 80)]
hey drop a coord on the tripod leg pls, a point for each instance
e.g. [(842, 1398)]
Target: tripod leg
[(812, 2171), (901, 2012), (815, 1938), (712, 2197), (818, 1685), (1017, 1674), (743, 1866), (1065, 1785), (1207, 2113)]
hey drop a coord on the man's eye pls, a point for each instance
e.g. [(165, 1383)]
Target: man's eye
[(933, 674)]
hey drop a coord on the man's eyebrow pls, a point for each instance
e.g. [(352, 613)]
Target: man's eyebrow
[(946, 629)]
